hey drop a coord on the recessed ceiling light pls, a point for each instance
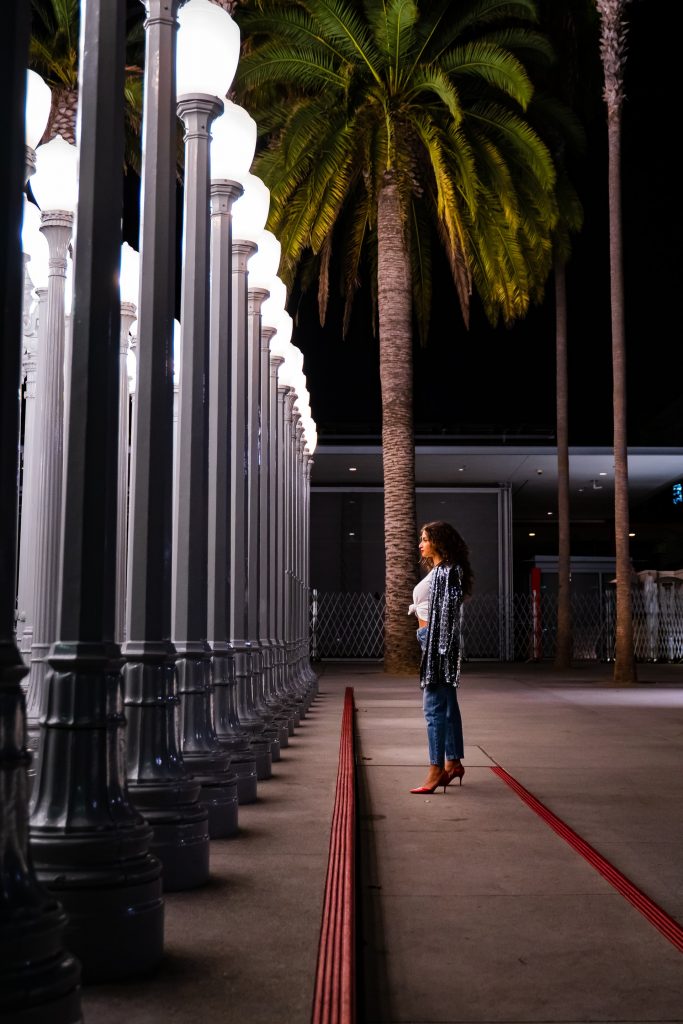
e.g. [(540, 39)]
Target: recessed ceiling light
[(352, 469), (352, 534), (602, 473), (461, 469), (580, 490), (548, 513), (532, 534), (631, 534)]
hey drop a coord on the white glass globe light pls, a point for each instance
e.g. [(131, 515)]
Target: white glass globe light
[(250, 212), (208, 49), (34, 244), (283, 333), (129, 275), (233, 143), (298, 359), (38, 103), (55, 183), (263, 265), (274, 306)]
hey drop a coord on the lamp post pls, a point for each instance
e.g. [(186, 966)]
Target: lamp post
[(55, 186), (279, 347), (89, 843), (274, 318), (249, 217), (39, 980), (232, 151), (129, 283), (208, 50), (35, 249)]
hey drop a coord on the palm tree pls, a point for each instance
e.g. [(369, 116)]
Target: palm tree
[(53, 53), (613, 31), (387, 126)]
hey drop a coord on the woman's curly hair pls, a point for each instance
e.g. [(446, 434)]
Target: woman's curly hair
[(452, 548)]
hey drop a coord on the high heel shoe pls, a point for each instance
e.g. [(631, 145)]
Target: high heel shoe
[(443, 780), (455, 773)]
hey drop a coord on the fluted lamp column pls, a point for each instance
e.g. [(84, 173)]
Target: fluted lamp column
[(243, 249), (249, 217), (279, 348), (232, 150), (89, 843), (38, 980), (36, 267), (129, 285), (262, 278), (208, 49), (275, 340), (55, 186)]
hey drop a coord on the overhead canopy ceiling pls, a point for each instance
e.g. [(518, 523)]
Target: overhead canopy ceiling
[(531, 473)]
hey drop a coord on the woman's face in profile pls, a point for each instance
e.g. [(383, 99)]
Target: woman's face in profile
[(425, 546)]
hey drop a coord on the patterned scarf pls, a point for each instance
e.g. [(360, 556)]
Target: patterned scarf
[(441, 658)]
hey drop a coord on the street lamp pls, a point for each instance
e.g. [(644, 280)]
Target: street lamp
[(129, 286), (88, 841), (39, 980), (207, 55), (232, 150), (36, 264), (55, 187), (38, 104)]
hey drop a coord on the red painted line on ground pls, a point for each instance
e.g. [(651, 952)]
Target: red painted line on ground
[(334, 1000), (669, 928)]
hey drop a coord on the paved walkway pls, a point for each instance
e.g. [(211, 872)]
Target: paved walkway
[(472, 908)]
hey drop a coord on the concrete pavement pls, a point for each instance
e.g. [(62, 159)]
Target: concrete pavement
[(471, 909)]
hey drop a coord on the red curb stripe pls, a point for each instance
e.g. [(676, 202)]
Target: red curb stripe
[(334, 995), (669, 928)]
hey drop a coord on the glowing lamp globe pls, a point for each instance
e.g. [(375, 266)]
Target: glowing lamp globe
[(129, 276), (208, 49), (233, 143), (283, 333), (250, 212), (34, 244), (274, 306), (298, 359), (55, 183), (263, 265), (38, 103)]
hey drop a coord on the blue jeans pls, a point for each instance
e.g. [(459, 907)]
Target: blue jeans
[(442, 715)]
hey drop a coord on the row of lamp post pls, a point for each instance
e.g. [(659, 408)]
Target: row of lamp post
[(162, 594)]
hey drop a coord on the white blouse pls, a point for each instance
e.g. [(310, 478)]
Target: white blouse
[(420, 605)]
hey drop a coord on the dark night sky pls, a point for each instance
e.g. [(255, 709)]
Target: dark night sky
[(504, 379), (491, 382)]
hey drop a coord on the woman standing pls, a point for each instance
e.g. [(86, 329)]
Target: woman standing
[(437, 603)]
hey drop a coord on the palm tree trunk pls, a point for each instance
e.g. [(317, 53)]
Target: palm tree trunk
[(624, 659), (398, 443), (613, 54), (563, 653)]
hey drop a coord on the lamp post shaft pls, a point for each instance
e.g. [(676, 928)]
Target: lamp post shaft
[(201, 749), (160, 785), (239, 508), (34, 345), (128, 315), (78, 822), (56, 226), (38, 977), (228, 728)]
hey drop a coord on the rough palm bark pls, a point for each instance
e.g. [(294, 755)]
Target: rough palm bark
[(613, 32), (563, 653), (396, 379)]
